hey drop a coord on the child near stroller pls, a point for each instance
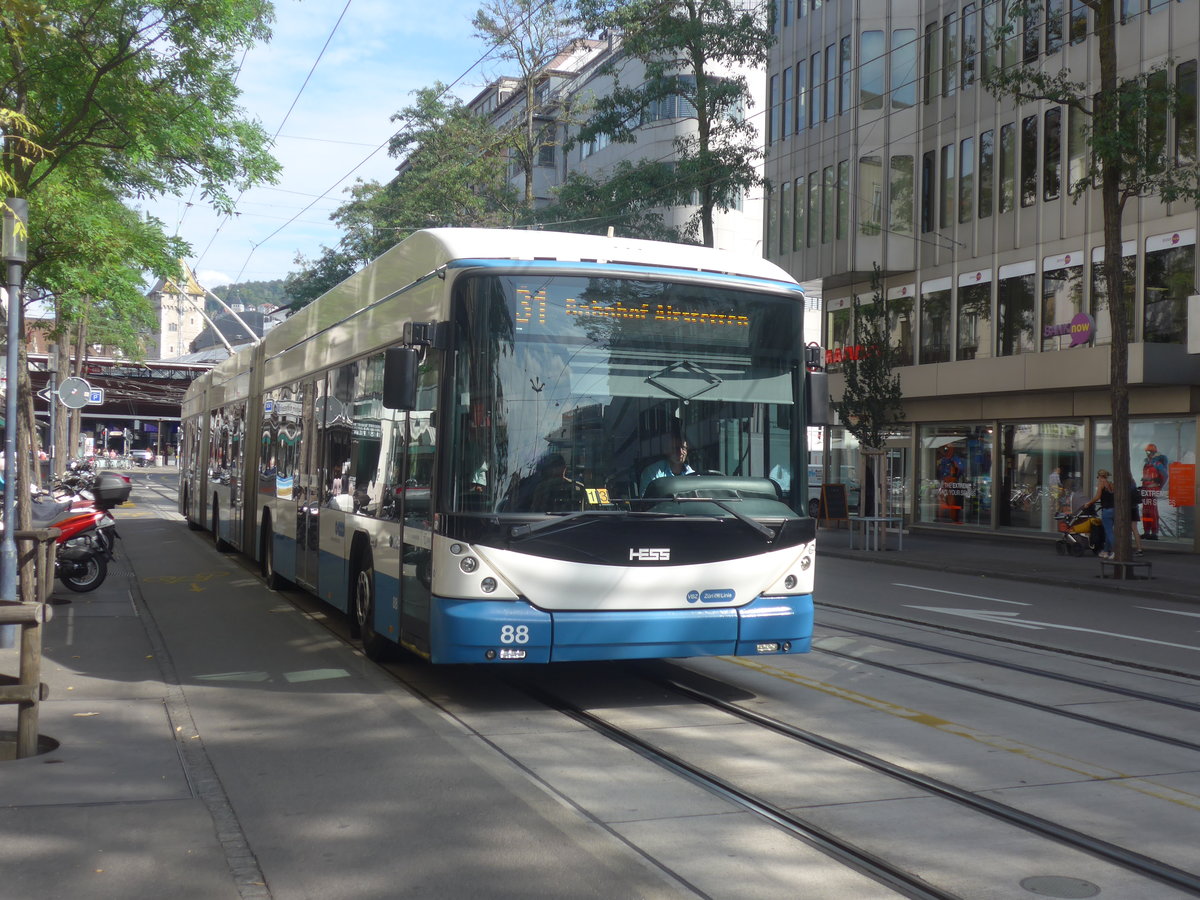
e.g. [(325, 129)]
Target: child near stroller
[(1079, 532)]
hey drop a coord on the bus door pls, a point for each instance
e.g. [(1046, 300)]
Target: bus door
[(415, 492), (307, 488)]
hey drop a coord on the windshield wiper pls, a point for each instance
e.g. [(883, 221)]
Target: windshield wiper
[(522, 532), (742, 517)]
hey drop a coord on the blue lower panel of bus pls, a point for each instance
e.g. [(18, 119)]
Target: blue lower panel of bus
[(471, 631)]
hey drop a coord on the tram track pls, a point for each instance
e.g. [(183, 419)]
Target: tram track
[(885, 872)]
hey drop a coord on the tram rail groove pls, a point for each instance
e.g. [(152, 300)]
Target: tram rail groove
[(1127, 859), (1018, 701), (1000, 639), (1132, 693), (845, 852)]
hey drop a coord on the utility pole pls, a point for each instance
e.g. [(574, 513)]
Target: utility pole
[(13, 242)]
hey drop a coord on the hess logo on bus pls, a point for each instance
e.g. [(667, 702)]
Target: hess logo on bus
[(650, 554)]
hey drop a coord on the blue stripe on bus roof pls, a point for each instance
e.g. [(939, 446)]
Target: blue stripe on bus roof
[(615, 267)]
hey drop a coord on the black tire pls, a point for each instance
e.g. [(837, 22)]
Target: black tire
[(93, 575), (273, 580), (218, 541), (362, 609)]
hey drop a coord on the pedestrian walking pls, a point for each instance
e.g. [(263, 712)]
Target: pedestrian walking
[(1106, 501)]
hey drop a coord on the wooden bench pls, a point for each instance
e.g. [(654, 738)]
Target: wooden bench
[(1128, 571)]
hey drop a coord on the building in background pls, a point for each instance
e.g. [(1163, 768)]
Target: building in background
[(177, 303), (884, 148)]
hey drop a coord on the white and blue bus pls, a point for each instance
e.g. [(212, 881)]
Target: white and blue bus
[(461, 447)]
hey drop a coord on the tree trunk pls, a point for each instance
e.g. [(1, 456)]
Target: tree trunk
[(1120, 307)]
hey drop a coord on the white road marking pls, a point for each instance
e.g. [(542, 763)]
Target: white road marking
[(921, 587)]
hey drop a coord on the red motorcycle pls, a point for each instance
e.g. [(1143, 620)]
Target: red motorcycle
[(85, 544)]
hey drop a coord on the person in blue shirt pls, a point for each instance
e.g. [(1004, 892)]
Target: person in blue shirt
[(673, 463)]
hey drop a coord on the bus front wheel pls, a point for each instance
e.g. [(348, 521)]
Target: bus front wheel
[(374, 645)]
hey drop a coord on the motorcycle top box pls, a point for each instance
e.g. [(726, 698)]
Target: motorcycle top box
[(111, 490)]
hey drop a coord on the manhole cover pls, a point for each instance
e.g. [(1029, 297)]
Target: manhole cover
[(1059, 886)]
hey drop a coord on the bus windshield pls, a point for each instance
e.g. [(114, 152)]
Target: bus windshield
[(571, 393)]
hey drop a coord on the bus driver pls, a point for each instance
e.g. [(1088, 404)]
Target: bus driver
[(672, 463)]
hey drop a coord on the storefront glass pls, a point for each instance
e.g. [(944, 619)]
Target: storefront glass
[(955, 475), (1163, 456), (1170, 280), (935, 322), (975, 315), (1042, 473)]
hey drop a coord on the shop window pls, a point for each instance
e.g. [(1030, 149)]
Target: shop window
[(1170, 280), (1162, 454), (974, 316), (1041, 474), (1016, 305), (935, 322), (955, 475), (1099, 299), (1062, 302)]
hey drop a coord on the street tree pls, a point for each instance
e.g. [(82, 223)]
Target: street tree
[(451, 173), (630, 200), (692, 52), (872, 403), (1126, 128), (531, 34)]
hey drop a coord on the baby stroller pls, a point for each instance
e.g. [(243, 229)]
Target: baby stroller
[(1079, 532)]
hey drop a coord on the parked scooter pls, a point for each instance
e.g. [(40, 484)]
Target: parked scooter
[(87, 532)]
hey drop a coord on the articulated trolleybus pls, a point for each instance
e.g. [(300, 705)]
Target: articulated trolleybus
[(495, 446)]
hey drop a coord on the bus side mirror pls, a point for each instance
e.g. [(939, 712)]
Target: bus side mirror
[(400, 378), (816, 399)]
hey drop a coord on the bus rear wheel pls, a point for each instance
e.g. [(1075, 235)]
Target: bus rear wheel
[(374, 645)]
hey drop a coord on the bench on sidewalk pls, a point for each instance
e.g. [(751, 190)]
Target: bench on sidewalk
[(1110, 568)]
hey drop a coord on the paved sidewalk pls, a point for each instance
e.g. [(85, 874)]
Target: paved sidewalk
[(1175, 573)]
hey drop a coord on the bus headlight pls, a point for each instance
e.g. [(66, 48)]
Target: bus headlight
[(789, 582), (468, 564), (488, 585)]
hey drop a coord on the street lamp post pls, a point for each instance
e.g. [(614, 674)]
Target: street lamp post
[(13, 244)]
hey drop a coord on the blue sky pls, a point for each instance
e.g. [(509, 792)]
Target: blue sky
[(380, 52)]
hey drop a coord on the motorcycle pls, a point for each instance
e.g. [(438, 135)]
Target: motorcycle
[(87, 532)]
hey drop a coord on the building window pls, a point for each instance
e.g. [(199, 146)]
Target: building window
[(814, 207), (1052, 155), (785, 118), (831, 82), (946, 219), (1157, 117), (956, 461), (1079, 22), (966, 180), (1016, 305), (828, 209), (904, 68), (1010, 44), (546, 155), (949, 55), (1008, 167), (900, 195), (970, 24), (871, 72), (870, 195), (772, 225), (816, 92), (1054, 26), (991, 51), (773, 106), (927, 176), (1030, 43), (986, 173), (1185, 114), (800, 196), (935, 322), (1062, 300), (844, 92), (785, 217), (801, 95), (930, 70), (974, 316), (900, 329), (1076, 149), (1100, 314), (1029, 160), (1170, 279), (843, 199)]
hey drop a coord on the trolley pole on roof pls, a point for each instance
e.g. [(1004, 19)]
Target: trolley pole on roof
[(14, 242)]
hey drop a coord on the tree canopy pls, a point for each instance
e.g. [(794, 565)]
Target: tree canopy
[(690, 51)]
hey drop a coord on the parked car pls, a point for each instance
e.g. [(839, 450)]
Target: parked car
[(142, 458)]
